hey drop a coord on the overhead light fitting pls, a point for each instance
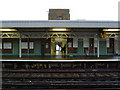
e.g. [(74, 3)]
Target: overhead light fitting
[(59, 29), (7, 29), (111, 30)]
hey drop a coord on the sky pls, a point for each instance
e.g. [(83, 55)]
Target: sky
[(79, 9)]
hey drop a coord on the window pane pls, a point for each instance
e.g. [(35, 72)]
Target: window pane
[(0, 45), (69, 44), (24, 45), (46, 46), (75, 42), (86, 42), (95, 42), (31, 45), (7, 45)]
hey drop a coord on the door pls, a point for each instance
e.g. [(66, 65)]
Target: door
[(102, 47), (91, 46), (58, 46)]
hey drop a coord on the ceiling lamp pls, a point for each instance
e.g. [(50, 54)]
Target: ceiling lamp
[(7, 29), (111, 30), (59, 29)]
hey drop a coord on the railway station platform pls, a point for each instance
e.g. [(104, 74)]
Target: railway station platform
[(60, 57)]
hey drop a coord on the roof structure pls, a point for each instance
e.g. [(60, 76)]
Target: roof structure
[(61, 23)]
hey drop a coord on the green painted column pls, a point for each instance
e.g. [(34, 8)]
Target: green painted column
[(15, 47), (102, 47), (37, 47), (80, 47)]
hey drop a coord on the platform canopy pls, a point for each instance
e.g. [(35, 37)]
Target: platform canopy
[(60, 23)]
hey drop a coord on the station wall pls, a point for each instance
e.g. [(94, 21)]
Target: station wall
[(42, 47)]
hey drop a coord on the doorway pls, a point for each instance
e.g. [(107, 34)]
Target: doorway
[(58, 46)]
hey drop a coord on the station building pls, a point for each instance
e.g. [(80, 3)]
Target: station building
[(59, 36)]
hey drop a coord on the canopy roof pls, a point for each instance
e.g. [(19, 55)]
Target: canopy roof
[(59, 23)]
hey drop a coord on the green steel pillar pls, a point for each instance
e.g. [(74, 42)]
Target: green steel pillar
[(16, 47), (20, 49), (98, 51), (80, 47), (102, 47)]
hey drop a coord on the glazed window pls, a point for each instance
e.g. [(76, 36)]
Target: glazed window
[(69, 44), (24, 45), (46, 46), (0, 45), (95, 42), (86, 42), (31, 45), (7, 45), (75, 42)]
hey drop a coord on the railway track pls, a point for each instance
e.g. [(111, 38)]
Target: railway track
[(78, 79), (56, 77)]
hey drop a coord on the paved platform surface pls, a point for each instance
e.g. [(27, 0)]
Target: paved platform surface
[(63, 58)]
